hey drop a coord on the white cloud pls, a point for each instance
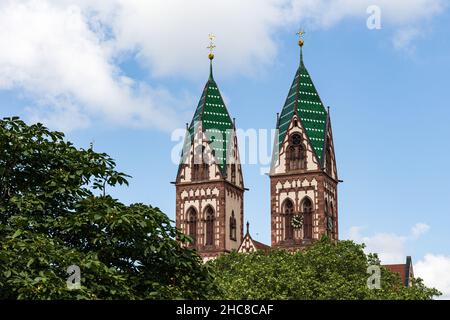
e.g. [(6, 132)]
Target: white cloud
[(403, 38), (65, 53), (170, 36), (53, 55), (435, 271), (390, 247), (419, 229), (245, 29)]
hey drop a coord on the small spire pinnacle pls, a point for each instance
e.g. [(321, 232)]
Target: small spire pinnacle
[(301, 42), (210, 71), (248, 227), (211, 48)]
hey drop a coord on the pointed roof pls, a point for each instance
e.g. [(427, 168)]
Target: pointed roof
[(304, 100), (215, 121), (248, 243)]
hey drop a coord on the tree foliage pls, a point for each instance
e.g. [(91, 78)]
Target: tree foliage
[(324, 271), (55, 212)]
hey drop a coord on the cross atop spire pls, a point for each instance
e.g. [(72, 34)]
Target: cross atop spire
[(300, 34), (211, 46), (301, 42)]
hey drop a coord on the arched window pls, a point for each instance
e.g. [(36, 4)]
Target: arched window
[(307, 219), (192, 224), (200, 164), (209, 226), (288, 210), (233, 226), (296, 153)]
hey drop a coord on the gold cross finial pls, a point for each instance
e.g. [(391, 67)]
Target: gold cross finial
[(211, 46), (300, 34)]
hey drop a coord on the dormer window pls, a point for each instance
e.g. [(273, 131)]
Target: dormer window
[(296, 153), (200, 164)]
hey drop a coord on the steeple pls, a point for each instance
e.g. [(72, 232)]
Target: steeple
[(213, 116), (209, 183), (303, 100), (303, 175)]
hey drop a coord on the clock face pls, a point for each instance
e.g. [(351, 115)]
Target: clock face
[(297, 222)]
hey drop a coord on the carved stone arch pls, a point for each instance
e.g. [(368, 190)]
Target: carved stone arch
[(306, 199), (296, 153), (287, 204), (307, 209), (191, 222), (209, 215), (288, 210)]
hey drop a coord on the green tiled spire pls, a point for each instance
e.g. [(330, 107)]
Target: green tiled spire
[(304, 100), (216, 122)]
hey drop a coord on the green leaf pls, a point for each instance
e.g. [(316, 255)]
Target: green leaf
[(16, 234), (30, 262)]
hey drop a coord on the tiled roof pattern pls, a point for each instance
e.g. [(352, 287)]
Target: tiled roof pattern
[(212, 113), (304, 99)]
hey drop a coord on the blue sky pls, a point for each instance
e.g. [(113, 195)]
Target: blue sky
[(126, 81)]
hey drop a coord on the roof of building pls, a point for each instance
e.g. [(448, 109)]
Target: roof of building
[(215, 120), (259, 245), (404, 270), (304, 100), (256, 244)]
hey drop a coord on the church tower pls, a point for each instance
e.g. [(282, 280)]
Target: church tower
[(303, 176), (209, 183)]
